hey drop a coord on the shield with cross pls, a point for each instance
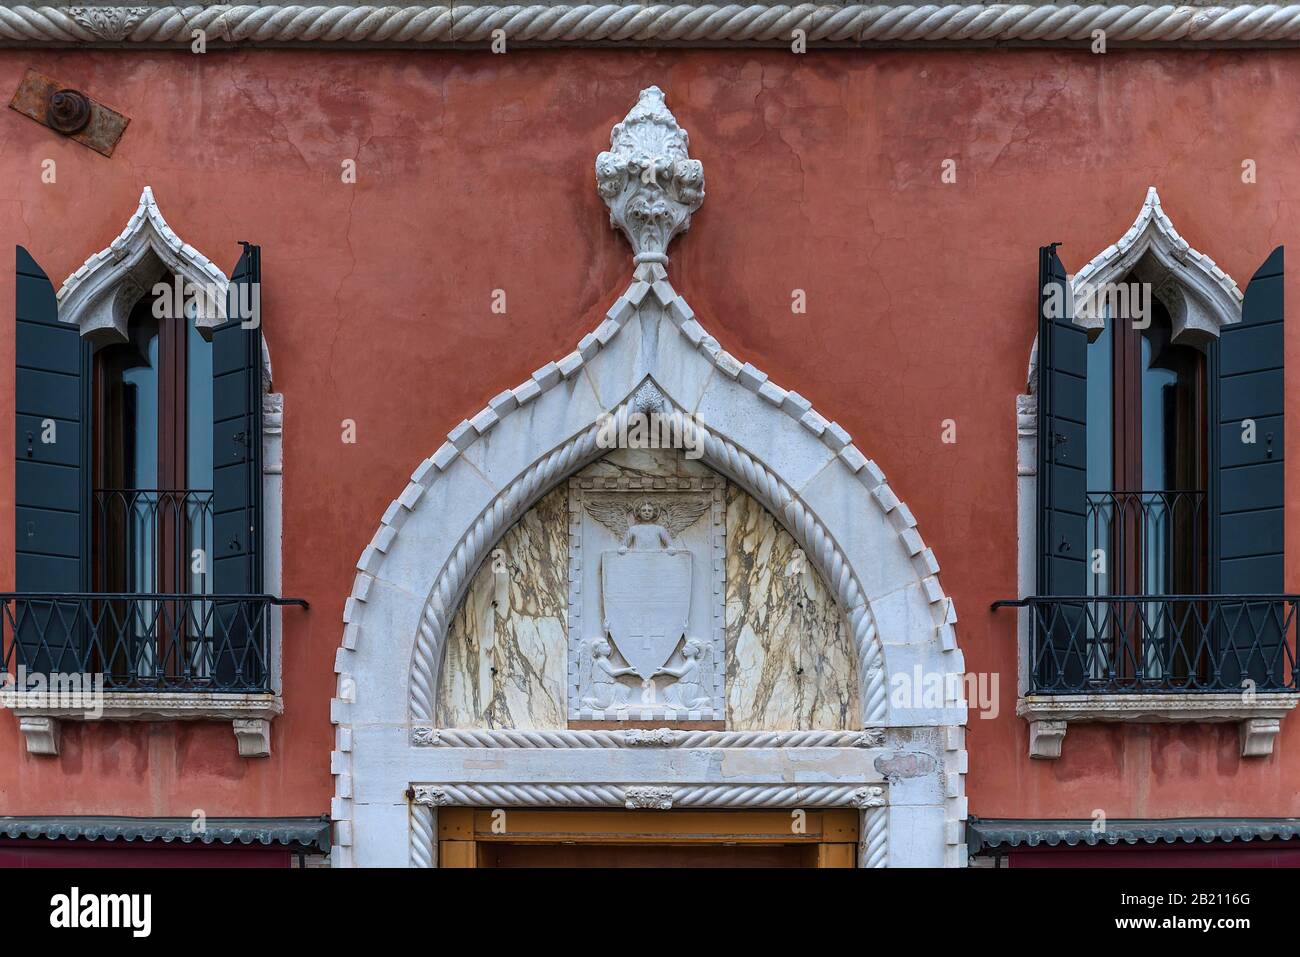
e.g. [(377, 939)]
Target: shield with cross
[(647, 598)]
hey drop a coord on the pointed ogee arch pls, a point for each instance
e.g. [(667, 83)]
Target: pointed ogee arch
[(98, 296), (1200, 296)]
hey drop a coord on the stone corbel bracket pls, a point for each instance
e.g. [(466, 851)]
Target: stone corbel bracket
[(1259, 716), (648, 180), (40, 713)]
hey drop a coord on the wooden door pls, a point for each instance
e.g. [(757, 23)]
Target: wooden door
[(480, 837)]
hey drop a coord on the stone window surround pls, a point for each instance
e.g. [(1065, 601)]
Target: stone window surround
[(92, 298), (495, 465), (1206, 299)]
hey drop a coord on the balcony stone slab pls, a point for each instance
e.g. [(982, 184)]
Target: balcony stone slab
[(1259, 716), (40, 713)]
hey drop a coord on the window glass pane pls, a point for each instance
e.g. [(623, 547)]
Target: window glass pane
[(198, 462), (1100, 440), (139, 382), (198, 427), (1100, 418), (1159, 408), (126, 521)]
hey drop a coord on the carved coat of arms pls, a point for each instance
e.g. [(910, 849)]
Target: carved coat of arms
[(645, 642), (646, 582)]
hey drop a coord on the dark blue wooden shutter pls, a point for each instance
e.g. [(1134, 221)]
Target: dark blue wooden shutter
[(237, 474), (1062, 474), (1247, 485), (49, 492)]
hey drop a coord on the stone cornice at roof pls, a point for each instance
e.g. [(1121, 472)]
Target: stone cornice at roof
[(623, 23)]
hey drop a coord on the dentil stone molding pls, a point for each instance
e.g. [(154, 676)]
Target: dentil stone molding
[(647, 180), (494, 466)]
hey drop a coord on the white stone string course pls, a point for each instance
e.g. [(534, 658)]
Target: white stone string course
[(741, 24)]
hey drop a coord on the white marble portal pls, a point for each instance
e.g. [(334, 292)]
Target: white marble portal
[(788, 661)]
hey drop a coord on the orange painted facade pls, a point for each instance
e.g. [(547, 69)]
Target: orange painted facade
[(474, 174)]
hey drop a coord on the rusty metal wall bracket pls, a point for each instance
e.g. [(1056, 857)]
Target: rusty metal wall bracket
[(69, 112)]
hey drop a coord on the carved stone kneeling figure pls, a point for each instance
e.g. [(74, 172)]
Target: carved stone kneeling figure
[(692, 691), (598, 688)]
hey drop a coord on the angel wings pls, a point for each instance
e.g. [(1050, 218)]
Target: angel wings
[(619, 514)]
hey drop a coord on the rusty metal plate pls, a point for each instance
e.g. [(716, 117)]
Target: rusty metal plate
[(100, 130)]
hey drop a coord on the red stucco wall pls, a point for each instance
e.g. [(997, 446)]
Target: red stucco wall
[(823, 174)]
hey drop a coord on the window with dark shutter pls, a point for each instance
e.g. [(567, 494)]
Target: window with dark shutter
[(139, 492), (237, 472), (1160, 485), (1248, 492), (49, 479), (1062, 471)]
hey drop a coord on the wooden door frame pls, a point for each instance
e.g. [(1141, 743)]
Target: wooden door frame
[(465, 833)]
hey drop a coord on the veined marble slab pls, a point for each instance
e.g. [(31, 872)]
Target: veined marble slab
[(507, 652), (789, 664)]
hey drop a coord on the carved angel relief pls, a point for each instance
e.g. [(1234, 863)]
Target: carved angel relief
[(645, 602), (644, 525)]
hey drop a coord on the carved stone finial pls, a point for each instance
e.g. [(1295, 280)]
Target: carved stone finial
[(648, 180)]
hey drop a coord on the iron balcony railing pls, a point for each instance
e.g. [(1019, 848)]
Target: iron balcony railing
[(1161, 643), (1147, 543), (139, 642), (152, 540)]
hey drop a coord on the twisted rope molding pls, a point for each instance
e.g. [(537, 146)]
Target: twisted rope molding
[(658, 23), (873, 842), (874, 848), (424, 825), (657, 737), (759, 481), (649, 796)]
